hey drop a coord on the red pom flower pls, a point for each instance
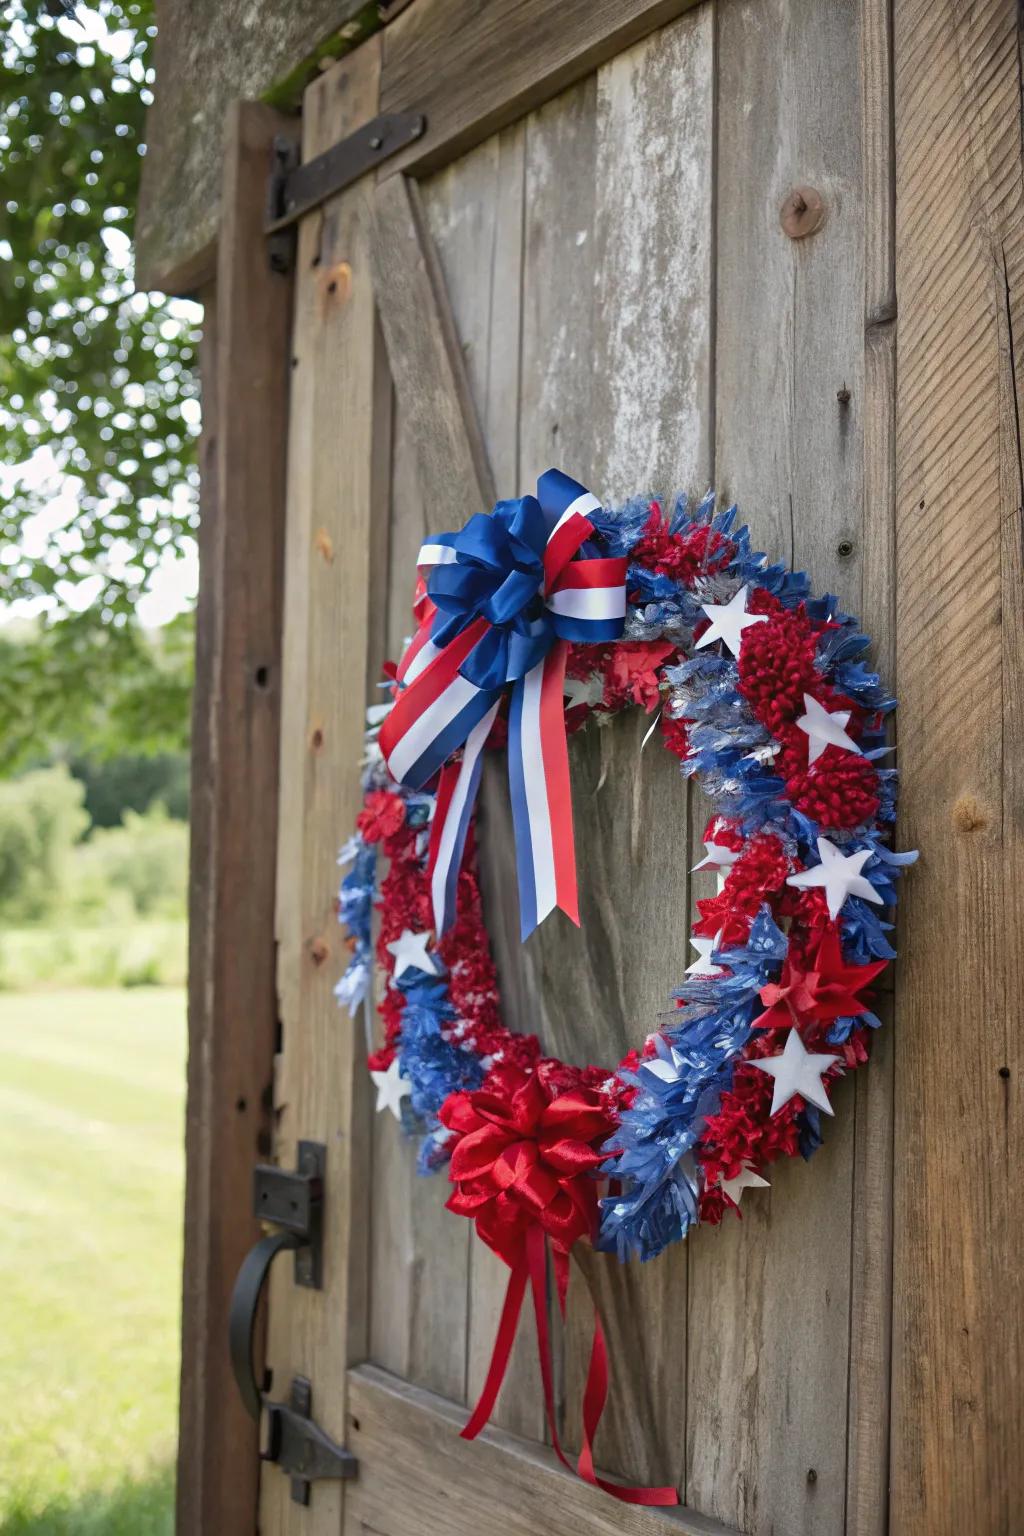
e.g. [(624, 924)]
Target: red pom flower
[(683, 556), (383, 815), (776, 666)]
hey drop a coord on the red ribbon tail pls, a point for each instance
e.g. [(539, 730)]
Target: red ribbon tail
[(502, 1350), (555, 754), (594, 1396), (445, 789), (533, 1267)]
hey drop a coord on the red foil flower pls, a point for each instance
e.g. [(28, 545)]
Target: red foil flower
[(383, 815), (827, 990), (524, 1156)]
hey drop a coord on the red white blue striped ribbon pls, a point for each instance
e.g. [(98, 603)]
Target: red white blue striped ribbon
[(438, 710)]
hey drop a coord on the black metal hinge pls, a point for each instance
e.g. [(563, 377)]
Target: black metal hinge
[(294, 189), (293, 1203), (297, 1444)]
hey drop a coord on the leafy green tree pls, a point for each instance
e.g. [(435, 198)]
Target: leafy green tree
[(83, 688), (132, 783), (98, 393)]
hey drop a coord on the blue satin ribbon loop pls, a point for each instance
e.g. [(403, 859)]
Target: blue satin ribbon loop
[(498, 575)]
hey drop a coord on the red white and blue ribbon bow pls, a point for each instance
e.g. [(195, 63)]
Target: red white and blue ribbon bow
[(506, 596)]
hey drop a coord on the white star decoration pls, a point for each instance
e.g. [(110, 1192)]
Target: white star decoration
[(797, 1071), (703, 965), (825, 730), (583, 690), (717, 856), (410, 952), (839, 876), (745, 1179), (728, 621), (391, 1089), (666, 1064)]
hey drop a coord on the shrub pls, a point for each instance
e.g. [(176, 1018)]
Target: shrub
[(41, 820), (141, 865)]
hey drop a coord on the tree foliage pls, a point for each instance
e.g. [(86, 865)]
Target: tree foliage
[(98, 394), (41, 819), (85, 688)]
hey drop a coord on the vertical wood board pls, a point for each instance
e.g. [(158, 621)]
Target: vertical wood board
[(958, 1413), (232, 1011), (475, 218), (770, 1296), (333, 549)]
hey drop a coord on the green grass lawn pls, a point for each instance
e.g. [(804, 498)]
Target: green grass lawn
[(91, 1126)]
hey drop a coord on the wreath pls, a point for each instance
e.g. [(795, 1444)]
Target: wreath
[(532, 621)]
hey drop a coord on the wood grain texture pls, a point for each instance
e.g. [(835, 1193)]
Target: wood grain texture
[(335, 535), (425, 356), (770, 1297), (867, 1457), (496, 1486), (419, 1276), (475, 213), (472, 69), (232, 1008), (958, 1413), (649, 429)]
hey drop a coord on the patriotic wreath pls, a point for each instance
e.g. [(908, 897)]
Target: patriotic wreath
[(532, 621)]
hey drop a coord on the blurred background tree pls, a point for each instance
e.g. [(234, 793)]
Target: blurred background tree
[(99, 412), (99, 402)]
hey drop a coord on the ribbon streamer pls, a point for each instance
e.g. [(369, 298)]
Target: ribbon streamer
[(532, 1267), (504, 598), (523, 1162)]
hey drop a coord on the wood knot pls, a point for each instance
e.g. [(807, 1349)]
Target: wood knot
[(969, 815), (802, 213), (318, 951), (316, 739), (335, 284)]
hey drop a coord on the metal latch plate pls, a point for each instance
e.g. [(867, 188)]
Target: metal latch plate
[(294, 1201)]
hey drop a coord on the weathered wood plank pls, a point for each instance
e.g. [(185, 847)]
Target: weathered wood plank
[(770, 1296), (652, 426), (867, 1459), (425, 356), (474, 210), (419, 1274), (232, 1009), (652, 311), (958, 1414), (472, 69), (496, 1486), (332, 550), (867, 1466), (419, 1254), (201, 906)]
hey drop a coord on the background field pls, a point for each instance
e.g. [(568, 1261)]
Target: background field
[(91, 1125), (137, 954)]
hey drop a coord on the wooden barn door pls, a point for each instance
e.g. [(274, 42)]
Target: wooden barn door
[(604, 284)]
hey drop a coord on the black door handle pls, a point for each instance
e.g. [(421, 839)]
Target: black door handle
[(245, 1299), (291, 1436)]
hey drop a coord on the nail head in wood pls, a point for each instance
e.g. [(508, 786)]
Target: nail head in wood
[(802, 213)]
